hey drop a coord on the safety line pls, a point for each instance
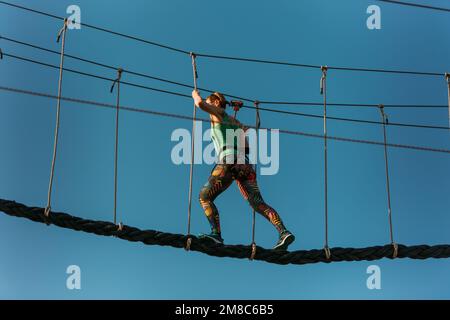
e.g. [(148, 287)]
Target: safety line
[(181, 84), (190, 118), (244, 106)]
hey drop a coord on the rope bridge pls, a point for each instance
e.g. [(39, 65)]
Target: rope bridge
[(153, 237), (188, 241)]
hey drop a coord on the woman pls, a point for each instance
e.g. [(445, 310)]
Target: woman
[(232, 165)]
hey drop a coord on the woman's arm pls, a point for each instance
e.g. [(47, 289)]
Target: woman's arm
[(200, 103)]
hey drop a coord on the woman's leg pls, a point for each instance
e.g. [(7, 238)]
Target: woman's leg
[(246, 180), (219, 180)]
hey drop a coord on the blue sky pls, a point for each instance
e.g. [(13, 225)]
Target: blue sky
[(153, 191)]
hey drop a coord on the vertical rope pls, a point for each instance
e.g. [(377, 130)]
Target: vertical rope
[(323, 91), (447, 77), (61, 35), (257, 125), (191, 170), (116, 149), (391, 232)]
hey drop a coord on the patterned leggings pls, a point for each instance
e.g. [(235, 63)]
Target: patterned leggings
[(221, 178)]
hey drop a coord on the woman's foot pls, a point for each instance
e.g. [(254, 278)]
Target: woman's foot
[(286, 238), (216, 237)]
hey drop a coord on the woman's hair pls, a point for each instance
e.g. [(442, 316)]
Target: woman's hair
[(217, 96)]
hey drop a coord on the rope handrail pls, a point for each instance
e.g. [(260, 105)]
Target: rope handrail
[(153, 237), (301, 114), (417, 5), (181, 84), (419, 73), (132, 72), (190, 118), (223, 57), (185, 85)]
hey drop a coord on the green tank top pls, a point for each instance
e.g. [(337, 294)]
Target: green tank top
[(223, 147)]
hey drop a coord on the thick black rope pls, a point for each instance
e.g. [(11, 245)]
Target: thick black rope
[(152, 237)]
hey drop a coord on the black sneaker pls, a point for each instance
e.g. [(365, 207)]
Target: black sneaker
[(212, 236), (286, 238)]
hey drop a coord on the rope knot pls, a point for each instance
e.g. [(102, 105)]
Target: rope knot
[(395, 250), (119, 73), (327, 251), (194, 65), (62, 30), (188, 243), (117, 80), (253, 254), (383, 114), (47, 211), (323, 78)]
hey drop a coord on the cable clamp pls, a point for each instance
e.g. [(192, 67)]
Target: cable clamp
[(47, 215), (62, 30), (327, 251), (395, 250), (447, 77), (323, 78), (194, 64), (119, 76), (119, 228), (383, 114), (252, 255), (188, 243)]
